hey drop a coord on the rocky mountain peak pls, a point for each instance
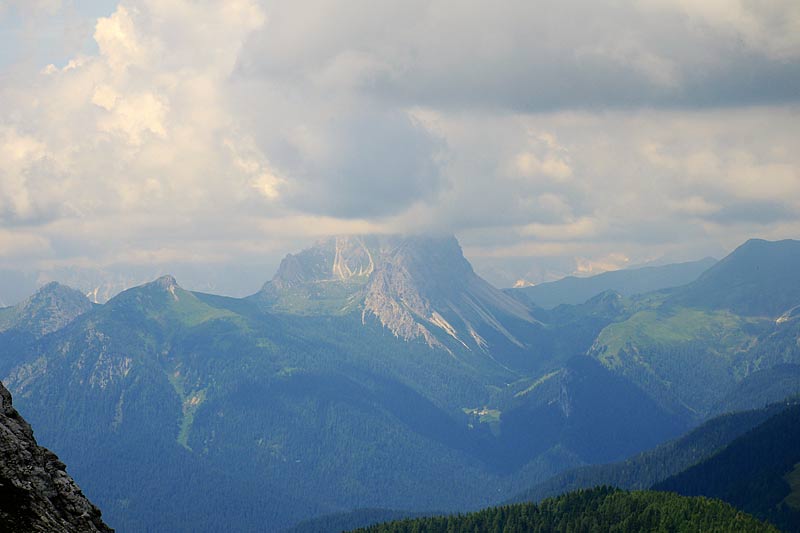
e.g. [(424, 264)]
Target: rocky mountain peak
[(419, 287), (426, 287), (36, 493), (339, 258), (167, 282), (51, 308)]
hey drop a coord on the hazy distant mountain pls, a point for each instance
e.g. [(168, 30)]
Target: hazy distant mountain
[(36, 493), (759, 278), (574, 290)]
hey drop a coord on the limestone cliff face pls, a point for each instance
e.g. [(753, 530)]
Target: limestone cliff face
[(340, 258), (418, 287), (426, 286), (36, 493)]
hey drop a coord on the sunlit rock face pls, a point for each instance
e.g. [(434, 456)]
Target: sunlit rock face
[(418, 287)]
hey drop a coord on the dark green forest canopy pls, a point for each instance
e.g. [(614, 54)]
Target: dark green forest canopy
[(757, 472), (602, 509)]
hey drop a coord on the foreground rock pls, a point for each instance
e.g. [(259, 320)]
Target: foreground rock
[(36, 493)]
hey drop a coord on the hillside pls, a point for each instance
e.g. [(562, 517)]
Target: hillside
[(52, 307), (36, 493), (759, 278), (757, 472), (697, 345), (645, 469), (598, 510)]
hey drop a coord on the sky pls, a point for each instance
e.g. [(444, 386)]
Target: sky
[(208, 138)]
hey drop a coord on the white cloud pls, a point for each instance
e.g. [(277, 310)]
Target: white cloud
[(224, 130), (19, 154), (771, 26), (543, 157), (118, 42)]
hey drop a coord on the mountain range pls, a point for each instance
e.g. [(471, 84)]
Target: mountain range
[(381, 371)]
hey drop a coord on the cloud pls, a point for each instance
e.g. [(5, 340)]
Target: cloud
[(772, 27), (119, 44), (573, 133), (365, 164), (31, 7), (536, 56)]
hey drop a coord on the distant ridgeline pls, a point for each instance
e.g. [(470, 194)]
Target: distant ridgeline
[(600, 510), (381, 372)]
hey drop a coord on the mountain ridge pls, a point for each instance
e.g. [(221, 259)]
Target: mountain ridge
[(628, 282)]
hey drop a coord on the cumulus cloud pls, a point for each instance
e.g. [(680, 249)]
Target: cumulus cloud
[(579, 134)]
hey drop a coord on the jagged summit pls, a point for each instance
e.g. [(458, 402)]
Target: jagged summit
[(338, 258), (166, 283), (419, 287)]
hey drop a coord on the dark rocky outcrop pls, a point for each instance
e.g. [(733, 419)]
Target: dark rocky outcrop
[(36, 493)]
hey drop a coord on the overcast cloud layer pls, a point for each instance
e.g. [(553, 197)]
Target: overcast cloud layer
[(211, 137)]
